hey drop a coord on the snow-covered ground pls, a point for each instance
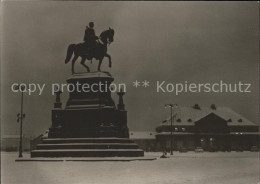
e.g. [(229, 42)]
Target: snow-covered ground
[(182, 168)]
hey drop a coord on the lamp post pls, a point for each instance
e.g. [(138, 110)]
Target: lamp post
[(172, 121), (20, 117)]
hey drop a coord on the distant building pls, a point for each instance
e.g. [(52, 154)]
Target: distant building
[(145, 140), (11, 143), (211, 128)]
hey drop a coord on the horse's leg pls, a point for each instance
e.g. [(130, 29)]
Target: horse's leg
[(109, 59), (73, 62), (83, 63), (99, 64)]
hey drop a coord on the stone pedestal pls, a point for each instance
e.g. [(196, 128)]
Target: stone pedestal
[(90, 111), (90, 90), (90, 123)]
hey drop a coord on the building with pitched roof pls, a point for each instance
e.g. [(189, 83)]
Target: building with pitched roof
[(211, 128), (11, 142), (145, 140)]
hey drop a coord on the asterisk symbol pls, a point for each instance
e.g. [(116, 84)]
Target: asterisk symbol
[(145, 83), (136, 84)]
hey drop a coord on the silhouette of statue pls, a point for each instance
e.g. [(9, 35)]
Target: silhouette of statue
[(90, 37), (58, 103), (121, 105), (93, 47), (57, 93)]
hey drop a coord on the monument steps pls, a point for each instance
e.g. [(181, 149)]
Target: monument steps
[(86, 140), (87, 146), (88, 153)]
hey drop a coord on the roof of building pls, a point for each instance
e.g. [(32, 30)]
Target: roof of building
[(189, 115), (142, 135), (15, 137), (10, 137)]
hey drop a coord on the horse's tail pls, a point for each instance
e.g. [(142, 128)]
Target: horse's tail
[(69, 52)]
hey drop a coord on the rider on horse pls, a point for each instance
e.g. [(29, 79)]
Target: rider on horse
[(91, 48), (90, 37)]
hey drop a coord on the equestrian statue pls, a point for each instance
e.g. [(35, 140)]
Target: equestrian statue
[(92, 47)]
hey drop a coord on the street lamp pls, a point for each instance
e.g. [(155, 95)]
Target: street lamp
[(20, 117), (171, 107)]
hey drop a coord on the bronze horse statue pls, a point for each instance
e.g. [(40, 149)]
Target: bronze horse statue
[(98, 52)]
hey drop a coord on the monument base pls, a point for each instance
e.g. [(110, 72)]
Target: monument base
[(87, 147), (90, 125)]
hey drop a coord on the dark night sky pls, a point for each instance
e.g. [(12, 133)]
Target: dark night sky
[(156, 41)]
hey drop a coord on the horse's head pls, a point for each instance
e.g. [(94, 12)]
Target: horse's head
[(111, 35), (108, 36)]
